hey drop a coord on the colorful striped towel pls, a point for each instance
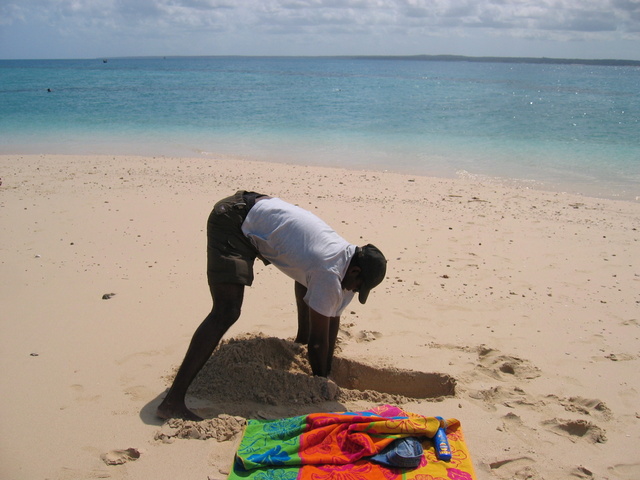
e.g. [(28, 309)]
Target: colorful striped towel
[(337, 446)]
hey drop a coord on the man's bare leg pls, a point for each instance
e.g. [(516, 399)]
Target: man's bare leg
[(227, 303)]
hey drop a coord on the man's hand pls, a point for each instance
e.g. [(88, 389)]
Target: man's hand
[(320, 332), (330, 390)]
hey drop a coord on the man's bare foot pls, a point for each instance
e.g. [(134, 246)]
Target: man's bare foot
[(166, 410)]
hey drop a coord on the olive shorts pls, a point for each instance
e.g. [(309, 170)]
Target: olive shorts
[(230, 254)]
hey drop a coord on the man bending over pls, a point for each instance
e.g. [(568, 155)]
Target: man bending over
[(328, 271)]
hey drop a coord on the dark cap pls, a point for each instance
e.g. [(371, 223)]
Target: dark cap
[(373, 267)]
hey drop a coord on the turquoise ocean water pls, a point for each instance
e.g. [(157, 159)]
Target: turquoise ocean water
[(558, 127)]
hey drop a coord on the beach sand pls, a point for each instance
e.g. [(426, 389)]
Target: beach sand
[(514, 310)]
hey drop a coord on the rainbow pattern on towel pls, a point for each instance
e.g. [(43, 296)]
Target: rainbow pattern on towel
[(336, 446)]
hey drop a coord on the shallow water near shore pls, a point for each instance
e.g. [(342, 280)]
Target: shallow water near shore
[(558, 127)]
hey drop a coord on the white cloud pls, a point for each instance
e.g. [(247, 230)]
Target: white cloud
[(296, 26)]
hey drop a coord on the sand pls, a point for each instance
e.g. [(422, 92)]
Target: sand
[(516, 311)]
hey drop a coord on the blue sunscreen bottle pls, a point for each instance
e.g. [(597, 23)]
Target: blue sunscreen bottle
[(443, 450)]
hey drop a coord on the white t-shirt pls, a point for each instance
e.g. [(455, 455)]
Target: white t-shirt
[(305, 248)]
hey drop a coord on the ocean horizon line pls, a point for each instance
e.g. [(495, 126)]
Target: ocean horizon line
[(609, 62)]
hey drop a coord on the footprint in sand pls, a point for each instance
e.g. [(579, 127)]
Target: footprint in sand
[(344, 334), (582, 472), (507, 396), (67, 473), (576, 430), (139, 393), (512, 468), (119, 457), (81, 397), (504, 366), (628, 470), (586, 406), (513, 424), (367, 336), (139, 356), (619, 357)]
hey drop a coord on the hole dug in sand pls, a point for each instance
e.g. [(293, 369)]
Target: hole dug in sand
[(354, 375), (252, 369)]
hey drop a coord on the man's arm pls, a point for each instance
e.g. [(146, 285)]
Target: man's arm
[(334, 327), (303, 314), (318, 332), (322, 342)]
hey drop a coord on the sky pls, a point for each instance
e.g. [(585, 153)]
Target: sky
[(55, 29)]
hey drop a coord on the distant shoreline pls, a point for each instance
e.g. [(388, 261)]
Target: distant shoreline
[(535, 60), (427, 58), (442, 58)]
